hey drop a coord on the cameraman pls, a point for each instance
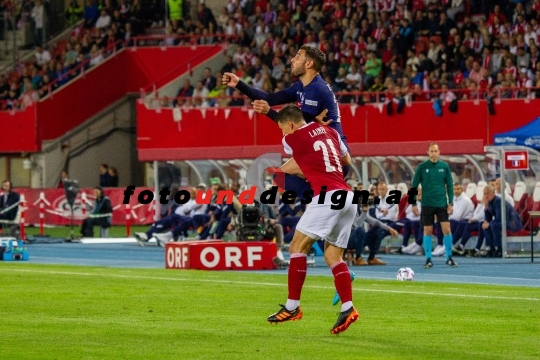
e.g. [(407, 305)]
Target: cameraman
[(271, 228), (358, 233)]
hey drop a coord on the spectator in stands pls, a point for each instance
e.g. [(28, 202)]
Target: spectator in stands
[(176, 13), (96, 56), (46, 86), (185, 91), (12, 101), (492, 224), (237, 98), (74, 13), (209, 81), (200, 95), (101, 213), (43, 56), (113, 177), (4, 88), (104, 20), (104, 176), (354, 79), (9, 202), (463, 211), (38, 15), (372, 69), (91, 13), (205, 15)]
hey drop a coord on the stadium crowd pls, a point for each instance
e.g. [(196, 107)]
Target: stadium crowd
[(105, 27), (380, 50)]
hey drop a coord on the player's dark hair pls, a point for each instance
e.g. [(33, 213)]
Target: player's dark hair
[(290, 113), (316, 55)]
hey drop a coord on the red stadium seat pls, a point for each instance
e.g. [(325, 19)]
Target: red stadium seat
[(403, 206), (532, 204), (520, 196)]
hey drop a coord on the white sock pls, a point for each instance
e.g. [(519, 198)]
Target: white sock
[(346, 306), (292, 304), (280, 255)]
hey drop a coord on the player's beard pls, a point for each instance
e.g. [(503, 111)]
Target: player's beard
[(298, 70)]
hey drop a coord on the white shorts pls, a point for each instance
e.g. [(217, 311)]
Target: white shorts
[(321, 222)]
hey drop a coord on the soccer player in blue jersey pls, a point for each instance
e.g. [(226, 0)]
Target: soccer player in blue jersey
[(310, 93)]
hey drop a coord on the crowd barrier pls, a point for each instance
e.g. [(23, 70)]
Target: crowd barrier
[(49, 207)]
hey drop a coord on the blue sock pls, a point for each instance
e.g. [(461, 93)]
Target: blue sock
[(428, 246), (448, 239)]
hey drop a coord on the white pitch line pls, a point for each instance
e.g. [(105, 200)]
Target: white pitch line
[(269, 284)]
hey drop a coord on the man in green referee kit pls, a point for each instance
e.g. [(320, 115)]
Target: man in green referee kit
[(437, 200)]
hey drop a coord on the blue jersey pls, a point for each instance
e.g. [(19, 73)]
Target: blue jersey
[(311, 99)]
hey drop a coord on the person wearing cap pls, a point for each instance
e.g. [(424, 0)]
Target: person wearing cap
[(101, 213)]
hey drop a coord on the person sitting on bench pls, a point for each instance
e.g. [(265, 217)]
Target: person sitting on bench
[(9, 201), (101, 213)]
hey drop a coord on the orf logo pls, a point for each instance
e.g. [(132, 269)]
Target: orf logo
[(61, 207)]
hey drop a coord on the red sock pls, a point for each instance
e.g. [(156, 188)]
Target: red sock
[(297, 275), (342, 280)]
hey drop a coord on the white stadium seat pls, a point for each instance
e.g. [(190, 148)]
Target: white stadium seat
[(403, 188), (519, 189), (536, 194), (470, 191), (480, 190)]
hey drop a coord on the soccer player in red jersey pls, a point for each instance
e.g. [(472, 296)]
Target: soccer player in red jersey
[(318, 154)]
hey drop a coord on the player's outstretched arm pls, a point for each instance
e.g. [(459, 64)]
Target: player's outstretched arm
[(262, 107), (292, 168), (281, 97)]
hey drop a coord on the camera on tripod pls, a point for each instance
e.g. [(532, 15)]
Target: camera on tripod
[(250, 223)]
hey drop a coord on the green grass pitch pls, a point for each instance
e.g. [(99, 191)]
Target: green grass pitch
[(71, 312)]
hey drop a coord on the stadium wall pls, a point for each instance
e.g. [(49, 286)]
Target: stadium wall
[(218, 133)]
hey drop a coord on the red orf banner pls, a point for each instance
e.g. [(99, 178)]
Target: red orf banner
[(59, 211), (218, 255)]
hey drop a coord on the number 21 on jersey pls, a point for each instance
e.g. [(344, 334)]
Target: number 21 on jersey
[(320, 145)]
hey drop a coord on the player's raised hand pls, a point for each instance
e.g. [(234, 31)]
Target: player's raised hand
[(261, 106), (230, 79), (319, 118)]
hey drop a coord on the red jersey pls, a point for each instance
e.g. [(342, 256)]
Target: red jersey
[(318, 149)]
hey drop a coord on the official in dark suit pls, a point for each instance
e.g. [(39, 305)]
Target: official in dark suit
[(7, 199)]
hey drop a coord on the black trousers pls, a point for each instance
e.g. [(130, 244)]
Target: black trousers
[(87, 228)]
